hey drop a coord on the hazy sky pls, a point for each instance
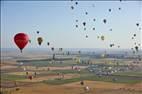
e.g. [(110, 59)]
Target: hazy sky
[(56, 22)]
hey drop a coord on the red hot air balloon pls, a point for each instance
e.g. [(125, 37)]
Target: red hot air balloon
[(21, 40)]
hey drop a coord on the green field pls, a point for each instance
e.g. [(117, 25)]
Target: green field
[(120, 79), (138, 74), (8, 77)]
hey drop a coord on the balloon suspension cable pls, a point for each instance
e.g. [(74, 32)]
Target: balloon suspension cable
[(21, 51)]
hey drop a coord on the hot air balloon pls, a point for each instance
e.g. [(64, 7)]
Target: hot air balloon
[(76, 3), (94, 28), (86, 36), (119, 8), (72, 7), (105, 21), (21, 40), (60, 49), (109, 10), (76, 20), (48, 43), (137, 48), (134, 35), (102, 38), (40, 40), (86, 13), (52, 48), (94, 19), (82, 82), (110, 29), (111, 45), (76, 26), (84, 23), (37, 32), (137, 24)]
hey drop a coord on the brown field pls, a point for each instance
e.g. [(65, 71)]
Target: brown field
[(96, 87), (35, 86)]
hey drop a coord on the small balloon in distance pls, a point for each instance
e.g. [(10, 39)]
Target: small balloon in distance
[(84, 23), (110, 29), (84, 28), (119, 8), (52, 48), (60, 49), (137, 48), (37, 32), (94, 19), (76, 20), (76, 26), (137, 24), (48, 43), (93, 28), (109, 10), (102, 38), (72, 7), (134, 35), (39, 40), (104, 20), (86, 13), (76, 3)]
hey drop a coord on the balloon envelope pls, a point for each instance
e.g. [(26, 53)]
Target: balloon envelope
[(102, 38), (48, 43), (52, 48), (21, 40), (104, 20), (37, 32), (40, 40)]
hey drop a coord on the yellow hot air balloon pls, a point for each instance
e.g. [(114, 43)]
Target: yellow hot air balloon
[(40, 40)]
